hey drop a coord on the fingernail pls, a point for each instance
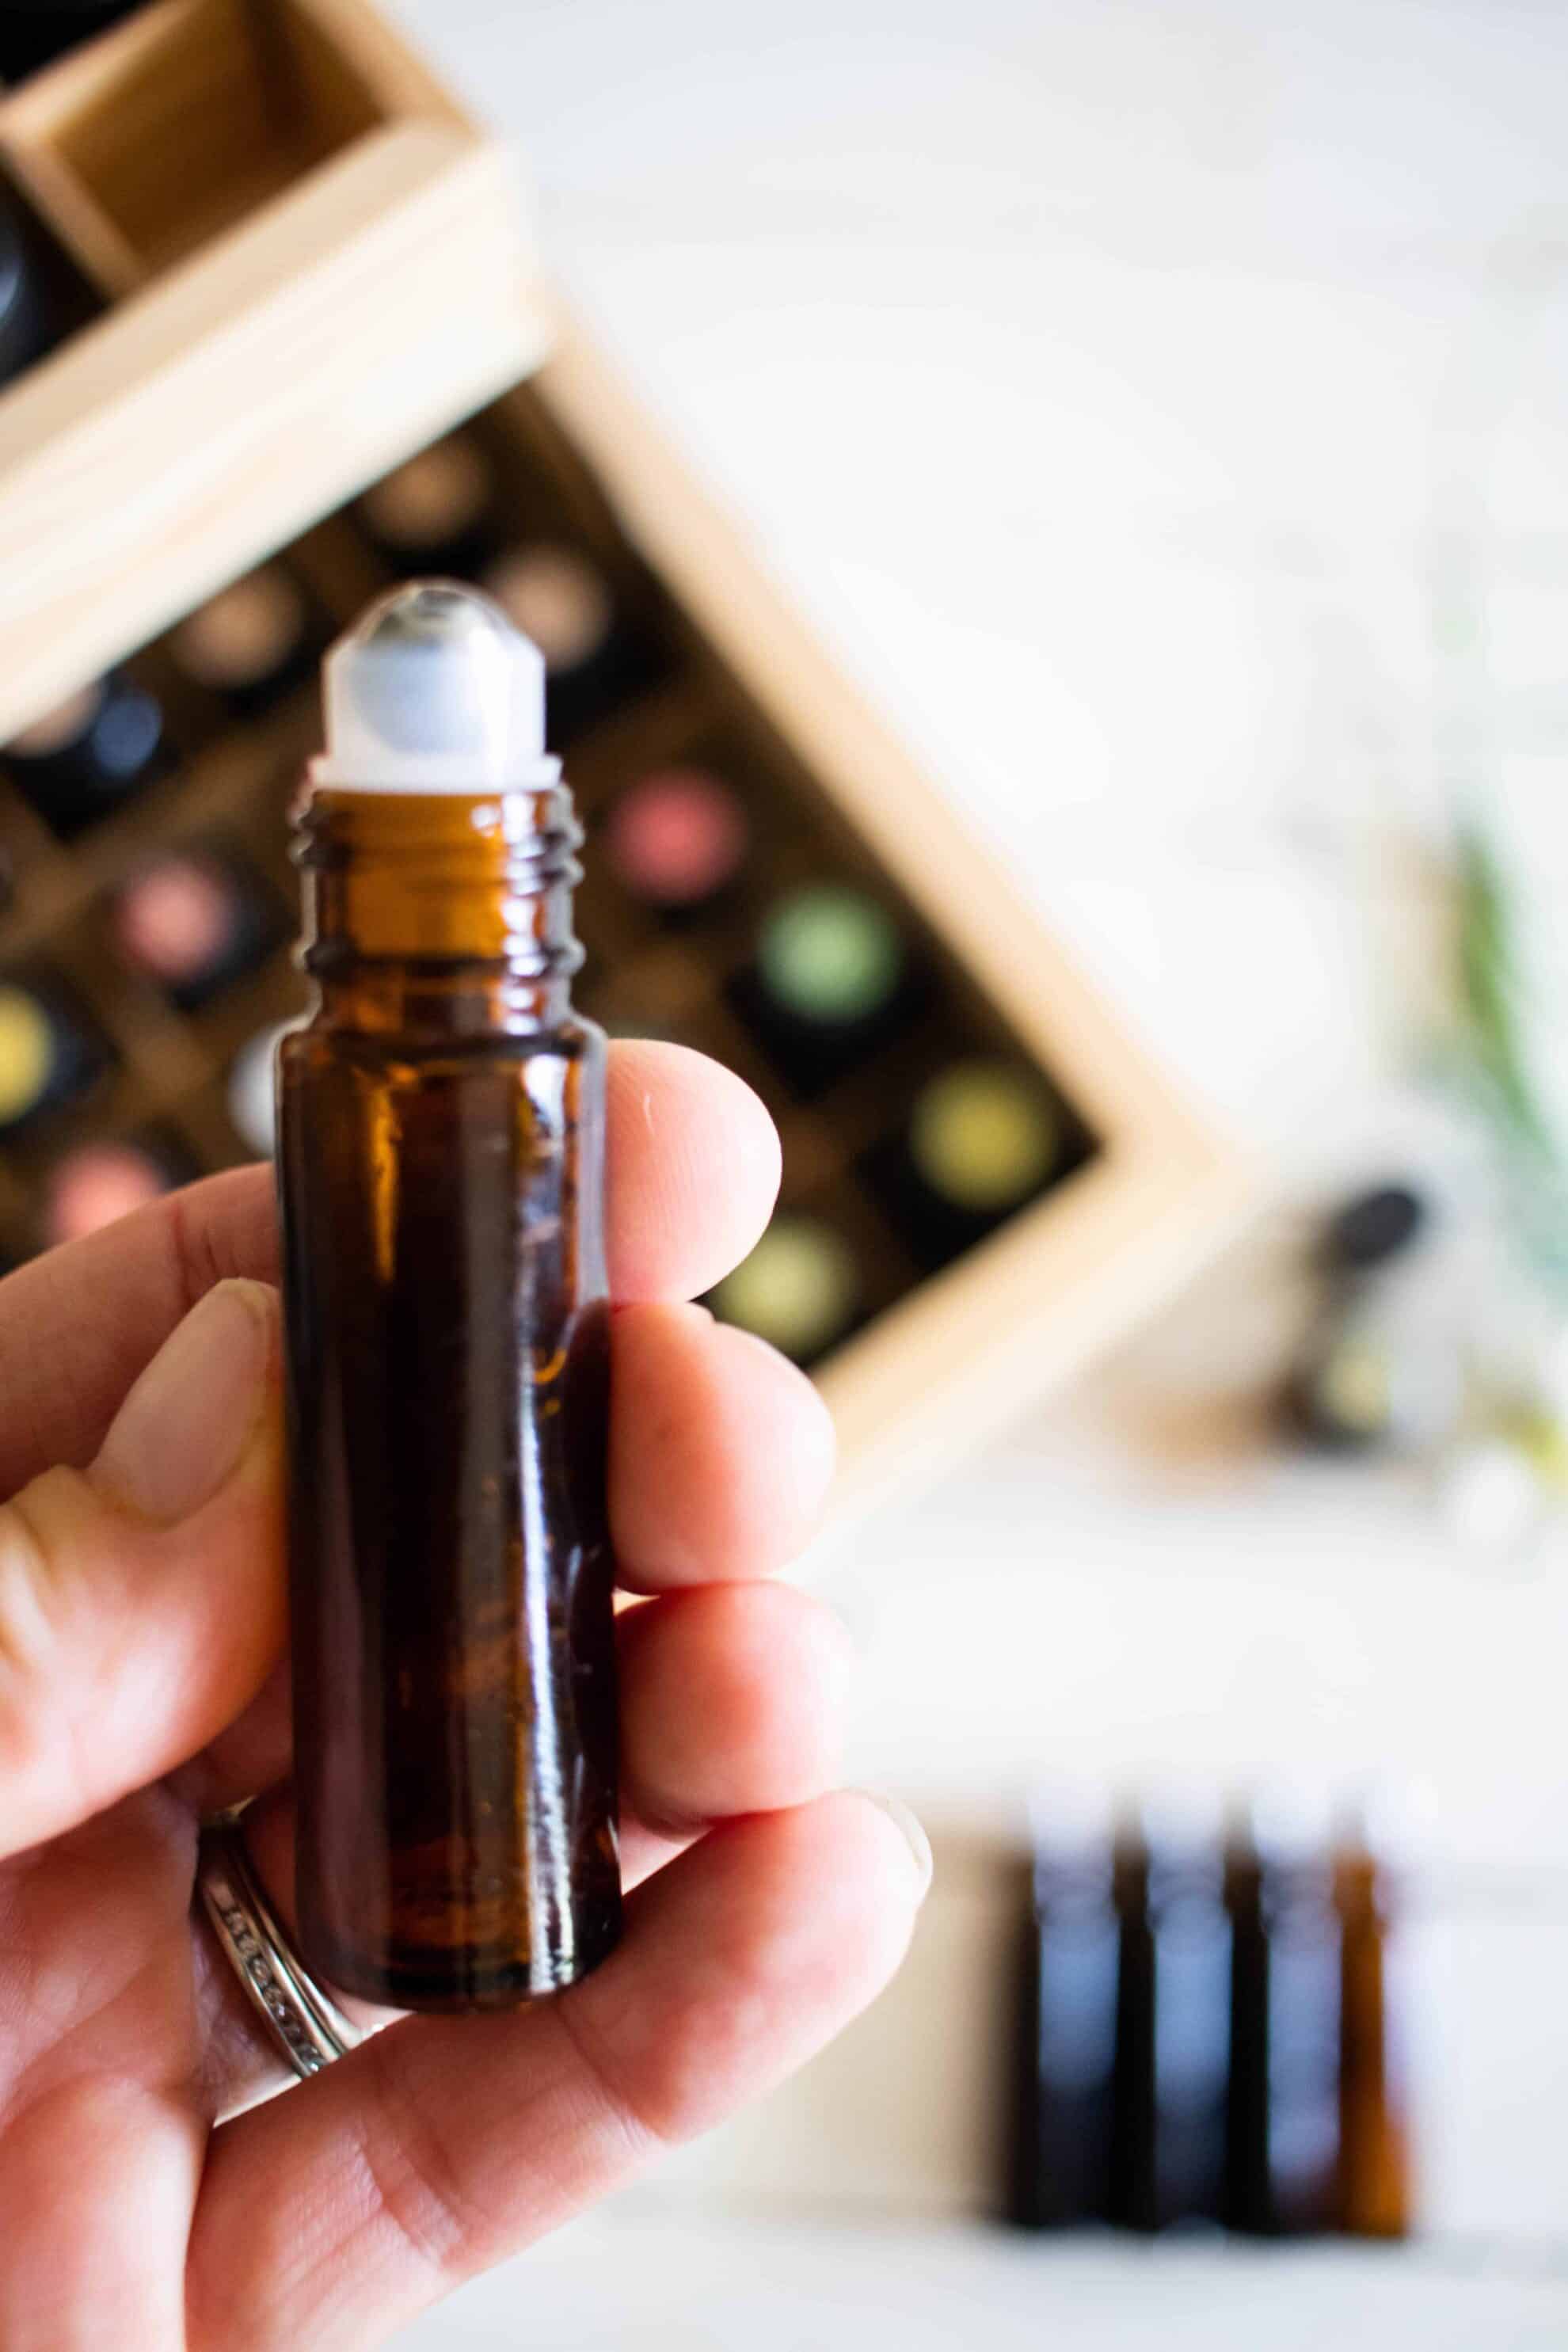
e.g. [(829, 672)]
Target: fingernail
[(183, 1426), (909, 1829)]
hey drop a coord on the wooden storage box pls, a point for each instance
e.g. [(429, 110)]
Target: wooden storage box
[(305, 260), (314, 304)]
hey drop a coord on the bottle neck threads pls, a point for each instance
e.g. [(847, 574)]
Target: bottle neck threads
[(445, 909)]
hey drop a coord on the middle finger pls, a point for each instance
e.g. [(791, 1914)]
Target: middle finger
[(721, 1456)]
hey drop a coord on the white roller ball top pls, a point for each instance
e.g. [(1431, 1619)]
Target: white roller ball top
[(432, 690)]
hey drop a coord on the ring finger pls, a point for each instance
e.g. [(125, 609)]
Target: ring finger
[(732, 1704)]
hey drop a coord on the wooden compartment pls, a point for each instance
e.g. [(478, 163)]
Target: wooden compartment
[(194, 114), (311, 262)]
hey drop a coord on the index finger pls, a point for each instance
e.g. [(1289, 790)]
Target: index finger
[(693, 1171)]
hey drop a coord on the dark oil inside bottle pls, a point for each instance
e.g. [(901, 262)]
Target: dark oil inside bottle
[(1376, 2185), (1062, 2062), (1282, 2136), (441, 1173), (1174, 2021)]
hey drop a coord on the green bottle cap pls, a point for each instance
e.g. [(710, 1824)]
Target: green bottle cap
[(830, 954)]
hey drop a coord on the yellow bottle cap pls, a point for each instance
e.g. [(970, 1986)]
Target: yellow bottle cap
[(27, 1052), (984, 1135)]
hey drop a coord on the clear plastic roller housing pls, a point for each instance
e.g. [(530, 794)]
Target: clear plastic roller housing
[(433, 690)]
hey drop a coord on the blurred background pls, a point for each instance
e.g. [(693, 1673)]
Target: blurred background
[(1156, 407), (1159, 408)]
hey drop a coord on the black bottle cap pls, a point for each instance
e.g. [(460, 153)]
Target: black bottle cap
[(10, 253), (20, 327), (1372, 1227)]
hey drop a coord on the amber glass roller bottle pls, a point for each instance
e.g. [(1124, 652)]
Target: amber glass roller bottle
[(441, 1137)]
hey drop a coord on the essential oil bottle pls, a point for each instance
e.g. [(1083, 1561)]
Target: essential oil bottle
[(1283, 2121), (22, 333), (1173, 2012), (441, 1137), (1371, 1875), (1062, 2061), (83, 758)]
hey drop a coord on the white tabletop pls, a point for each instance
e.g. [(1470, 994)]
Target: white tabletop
[(673, 2284)]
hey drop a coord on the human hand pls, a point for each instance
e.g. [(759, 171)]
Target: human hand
[(142, 1622)]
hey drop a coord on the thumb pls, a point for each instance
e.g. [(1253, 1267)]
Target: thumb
[(141, 1601)]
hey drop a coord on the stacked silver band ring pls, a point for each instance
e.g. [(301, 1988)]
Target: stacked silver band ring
[(304, 2021)]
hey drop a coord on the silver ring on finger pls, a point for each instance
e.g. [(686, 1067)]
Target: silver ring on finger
[(301, 2017)]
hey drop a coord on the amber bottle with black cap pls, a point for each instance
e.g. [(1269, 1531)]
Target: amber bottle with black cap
[(440, 1157)]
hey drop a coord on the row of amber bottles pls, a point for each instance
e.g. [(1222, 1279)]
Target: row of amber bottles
[(1211, 2025)]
